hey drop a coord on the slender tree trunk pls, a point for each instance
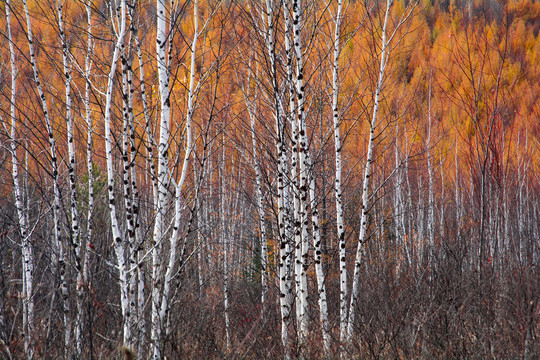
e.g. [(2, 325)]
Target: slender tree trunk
[(360, 251), (260, 199), (27, 246), (284, 228), (149, 147), (75, 230), (162, 178), (83, 275), (160, 303), (399, 208), (431, 204), (338, 193), (119, 244), (458, 197), (225, 243), (129, 185), (56, 191)]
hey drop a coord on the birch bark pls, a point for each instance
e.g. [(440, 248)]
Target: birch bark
[(338, 193), (27, 246), (259, 194), (149, 147), (83, 275), (310, 198), (283, 219), (119, 244), (75, 231), (162, 179), (160, 301), (431, 204), (360, 251), (56, 191)]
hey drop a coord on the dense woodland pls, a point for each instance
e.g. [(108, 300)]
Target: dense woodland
[(270, 179)]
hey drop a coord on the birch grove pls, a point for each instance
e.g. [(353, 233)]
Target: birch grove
[(269, 179)]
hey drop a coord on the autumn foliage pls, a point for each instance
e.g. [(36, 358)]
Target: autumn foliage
[(453, 223)]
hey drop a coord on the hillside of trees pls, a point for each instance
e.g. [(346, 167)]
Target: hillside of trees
[(249, 179)]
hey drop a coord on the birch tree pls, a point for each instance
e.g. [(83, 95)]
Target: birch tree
[(26, 241), (387, 35), (338, 193), (160, 299), (119, 24), (57, 241), (265, 21), (83, 273)]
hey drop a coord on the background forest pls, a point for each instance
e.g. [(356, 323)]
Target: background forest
[(269, 179)]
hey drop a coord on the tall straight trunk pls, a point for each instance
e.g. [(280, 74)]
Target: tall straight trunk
[(441, 218), (56, 191), (128, 184), (307, 183), (225, 239), (338, 193), (27, 246), (160, 300), (200, 246), (399, 210), (136, 239), (149, 147), (294, 170), (75, 232), (162, 177), (260, 199), (521, 247), (431, 204), (82, 275), (284, 228), (458, 196), (304, 184), (119, 244), (420, 212), (360, 251)]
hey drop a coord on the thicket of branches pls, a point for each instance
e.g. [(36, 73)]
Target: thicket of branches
[(269, 179)]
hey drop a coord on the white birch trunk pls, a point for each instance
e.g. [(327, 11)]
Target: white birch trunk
[(458, 197), (162, 178), (307, 187), (129, 184), (82, 275), (441, 219), (360, 251), (431, 205), (296, 216), (160, 302), (303, 155), (338, 193), (149, 147), (225, 249), (260, 203), (27, 247), (200, 244), (75, 240), (54, 161), (136, 239), (119, 244), (398, 202), (283, 221)]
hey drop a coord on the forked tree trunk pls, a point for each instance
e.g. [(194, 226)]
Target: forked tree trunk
[(285, 296), (118, 241)]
